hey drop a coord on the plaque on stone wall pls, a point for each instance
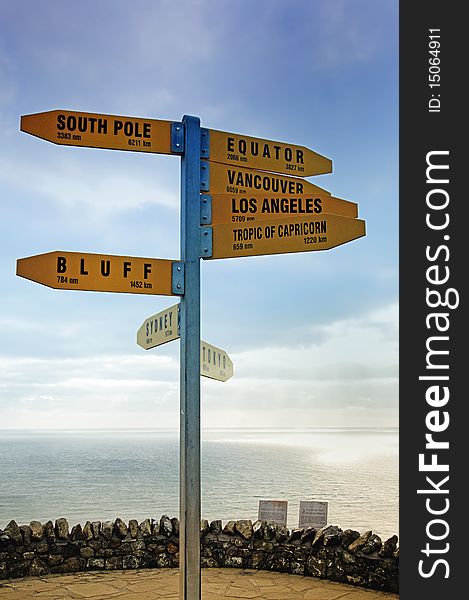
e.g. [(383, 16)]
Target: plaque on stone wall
[(274, 511), (312, 514)]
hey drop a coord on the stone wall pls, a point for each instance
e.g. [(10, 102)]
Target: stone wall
[(328, 553)]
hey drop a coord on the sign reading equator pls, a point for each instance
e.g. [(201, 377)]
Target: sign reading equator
[(279, 236), (98, 272), (232, 208), (243, 150), (71, 128)]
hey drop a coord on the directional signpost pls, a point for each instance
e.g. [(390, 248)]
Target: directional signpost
[(248, 208), (255, 153), (91, 130), (238, 198), (217, 178), (279, 236), (102, 273), (164, 327)]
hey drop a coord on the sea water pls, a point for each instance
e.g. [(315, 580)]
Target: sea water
[(101, 475)]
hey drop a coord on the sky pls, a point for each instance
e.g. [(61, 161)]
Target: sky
[(313, 336)]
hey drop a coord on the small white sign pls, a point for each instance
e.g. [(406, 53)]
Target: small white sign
[(312, 514), (273, 511)]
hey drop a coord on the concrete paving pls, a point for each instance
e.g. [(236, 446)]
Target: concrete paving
[(158, 584)]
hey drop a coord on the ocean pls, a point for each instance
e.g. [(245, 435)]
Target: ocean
[(134, 474)]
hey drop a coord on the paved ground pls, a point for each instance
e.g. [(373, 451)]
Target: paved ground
[(158, 584)]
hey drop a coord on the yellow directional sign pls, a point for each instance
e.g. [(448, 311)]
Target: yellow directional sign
[(214, 362), (242, 150), (72, 128), (159, 329), (225, 179), (249, 208), (98, 272), (280, 236)]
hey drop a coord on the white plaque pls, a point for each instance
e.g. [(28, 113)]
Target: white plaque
[(273, 511), (312, 514)]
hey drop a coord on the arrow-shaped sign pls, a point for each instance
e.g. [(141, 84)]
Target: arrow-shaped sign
[(267, 155), (71, 128), (164, 327), (99, 272)]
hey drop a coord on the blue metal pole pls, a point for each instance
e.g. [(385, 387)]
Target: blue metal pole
[(189, 535)]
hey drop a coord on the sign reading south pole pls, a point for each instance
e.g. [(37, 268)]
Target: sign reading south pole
[(98, 272), (243, 150), (92, 130), (280, 236)]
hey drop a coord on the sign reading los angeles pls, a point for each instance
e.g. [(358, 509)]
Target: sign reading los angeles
[(234, 149), (98, 272), (289, 234), (224, 179), (246, 208), (100, 131)]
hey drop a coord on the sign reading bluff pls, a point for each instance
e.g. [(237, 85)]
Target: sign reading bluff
[(234, 149), (100, 131), (280, 236), (98, 272)]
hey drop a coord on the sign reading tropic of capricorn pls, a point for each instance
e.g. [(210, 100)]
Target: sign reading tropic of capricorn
[(240, 196), (165, 327)]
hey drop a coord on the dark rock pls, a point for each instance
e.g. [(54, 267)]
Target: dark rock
[(282, 533), (258, 529), (96, 529), (175, 524), (61, 528), (349, 536), (389, 547), (172, 548), (86, 552), (145, 528), (166, 527), (295, 535), (37, 531), (42, 548), (71, 565), (133, 528), (316, 567), (106, 528), (121, 528), (229, 528), (26, 534), (233, 561), (95, 563), (244, 528), (373, 544), (87, 531), (216, 527), (76, 533), (54, 559), (13, 532), (204, 527), (49, 531), (359, 542), (332, 536), (130, 562), (308, 534), (113, 563)]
